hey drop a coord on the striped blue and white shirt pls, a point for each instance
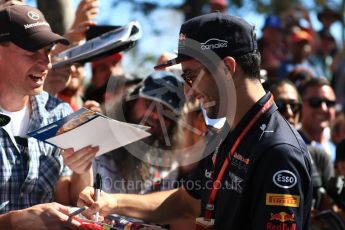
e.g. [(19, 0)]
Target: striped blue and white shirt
[(28, 175)]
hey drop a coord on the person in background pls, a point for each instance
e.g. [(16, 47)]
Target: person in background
[(327, 17), (296, 17), (340, 159), (151, 164), (324, 54), (300, 47), (57, 79), (87, 11), (67, 82), (289, 104), (148, 165), (73, 92), (164, 57), (33, 172), (288, 101), (102, 70), (338, 69), (299, 75), (218, 5), (271, 46), (319, 113), (338, 129), (336, 184)]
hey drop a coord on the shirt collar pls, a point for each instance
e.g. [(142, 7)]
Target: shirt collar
[(38, 112), (249, 116)]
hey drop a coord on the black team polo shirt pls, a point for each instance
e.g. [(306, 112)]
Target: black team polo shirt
[(268, 182)]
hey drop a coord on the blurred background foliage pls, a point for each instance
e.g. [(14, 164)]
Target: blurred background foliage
[(60, 13)]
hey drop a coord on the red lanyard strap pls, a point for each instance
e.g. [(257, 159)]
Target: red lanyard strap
[(217, 182)]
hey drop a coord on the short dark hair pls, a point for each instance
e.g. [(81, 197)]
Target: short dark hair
[(250, 64), (319, 82), (273, 88)]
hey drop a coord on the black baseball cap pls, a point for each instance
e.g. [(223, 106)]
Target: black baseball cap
[(224, 34), (165, 88), (26, 27)]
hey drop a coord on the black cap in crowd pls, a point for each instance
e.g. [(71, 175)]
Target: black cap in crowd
[(26, 27), (165, 88), (223, 34), (328, 13)]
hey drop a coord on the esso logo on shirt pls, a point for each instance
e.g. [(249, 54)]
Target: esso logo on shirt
[(284, 179)]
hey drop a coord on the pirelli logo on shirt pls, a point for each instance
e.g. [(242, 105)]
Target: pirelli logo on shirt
[(286, 200)]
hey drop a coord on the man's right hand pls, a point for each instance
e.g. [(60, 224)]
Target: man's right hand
[(158, 207), (105, 205), (52, 216)]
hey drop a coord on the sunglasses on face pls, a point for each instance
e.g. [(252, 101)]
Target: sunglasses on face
[(190, 76), (316, 102), (283, 106)]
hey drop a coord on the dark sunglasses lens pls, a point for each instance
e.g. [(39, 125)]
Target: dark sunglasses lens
[(315, 102), (295, 107), (282, 106), (330, 103)]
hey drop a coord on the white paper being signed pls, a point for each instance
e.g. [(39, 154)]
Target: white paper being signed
[(84, 128)]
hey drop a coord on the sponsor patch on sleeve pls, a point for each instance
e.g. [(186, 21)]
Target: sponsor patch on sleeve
[(286, 200), (284, 179)]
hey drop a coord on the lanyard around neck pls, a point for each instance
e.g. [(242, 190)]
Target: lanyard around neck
[(217, 183)]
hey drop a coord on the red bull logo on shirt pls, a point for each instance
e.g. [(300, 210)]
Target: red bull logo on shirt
[(281, 226), (281, 221), (282, 217)]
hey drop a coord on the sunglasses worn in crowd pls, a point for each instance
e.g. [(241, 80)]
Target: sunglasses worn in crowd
[(316, 102), (284, 104)]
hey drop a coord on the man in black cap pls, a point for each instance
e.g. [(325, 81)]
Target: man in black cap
[(258, 175), (33, 172)]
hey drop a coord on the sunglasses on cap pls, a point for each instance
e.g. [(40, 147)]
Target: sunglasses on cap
[(284, 104), (316, 102)]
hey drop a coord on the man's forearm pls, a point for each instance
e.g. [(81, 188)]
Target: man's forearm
[(160, 207), (5, 221), (78, 183)]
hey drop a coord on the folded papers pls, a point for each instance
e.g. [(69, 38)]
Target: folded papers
[(114, 41), (85, 127)]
